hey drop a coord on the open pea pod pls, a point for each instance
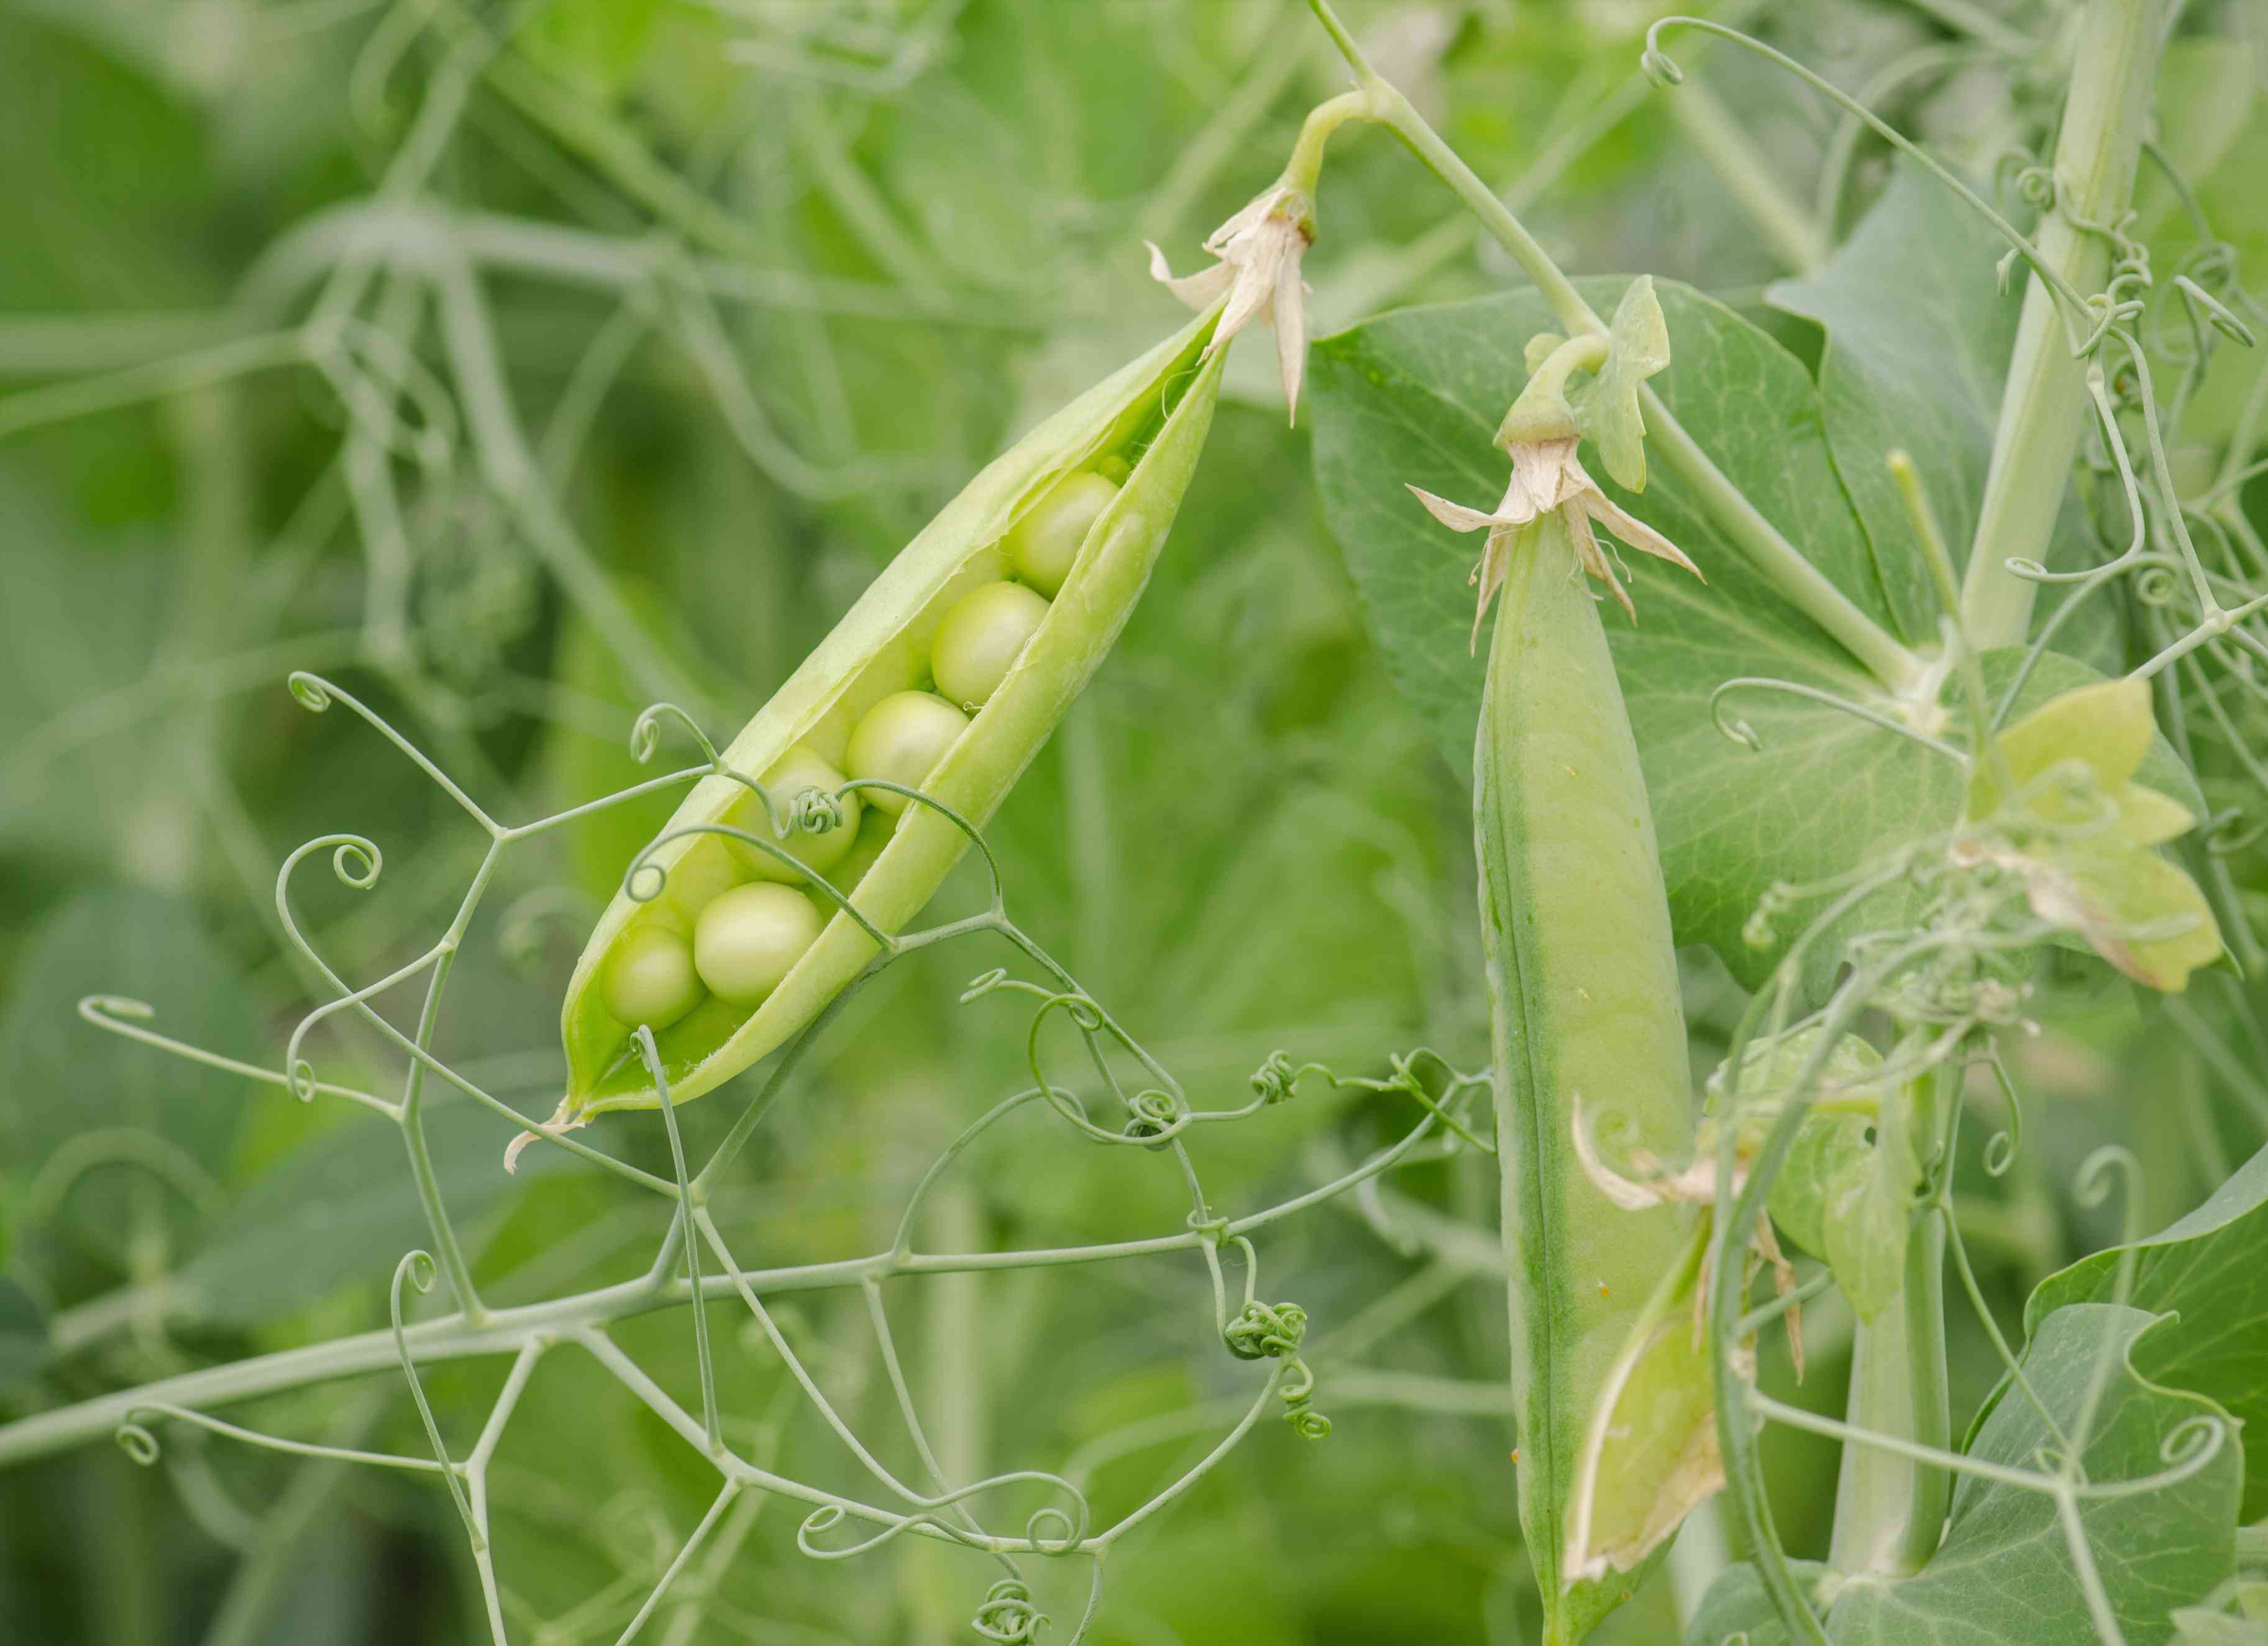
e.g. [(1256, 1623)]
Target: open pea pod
[(1148, 421)]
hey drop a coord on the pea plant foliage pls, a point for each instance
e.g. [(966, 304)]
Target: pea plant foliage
[(1857, 679)]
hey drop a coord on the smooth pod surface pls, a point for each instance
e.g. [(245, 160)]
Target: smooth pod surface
[(1583, 984), (1153, 413)]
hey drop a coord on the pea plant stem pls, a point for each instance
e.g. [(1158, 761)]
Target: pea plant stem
[(1923, 1300), (511, 1330), (1774, 557), (2043, 408)]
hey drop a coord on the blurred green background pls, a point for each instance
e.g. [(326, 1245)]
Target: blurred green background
[(754, 285)]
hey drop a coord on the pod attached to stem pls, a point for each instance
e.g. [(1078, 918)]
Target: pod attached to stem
[(762, 818)]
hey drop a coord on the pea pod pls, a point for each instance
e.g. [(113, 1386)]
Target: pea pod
[(1583, 984), (1154, 415)]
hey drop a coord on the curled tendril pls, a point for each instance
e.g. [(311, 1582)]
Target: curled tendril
[(136, 1442), (645, 879), (645, 733), (1007, 1614), (984, 982), (1660, 68), (2097, 1172), (1742, 733), (313, 691), (357, 862), (1069, 1530), (815, 812), (2035, 185), (1298, 1394), (1274, 1081), (2002, 1148), (1264, 1331), (2194, 1442), (1156, 1113), (2156, 585)]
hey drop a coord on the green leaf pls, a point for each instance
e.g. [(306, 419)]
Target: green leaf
[(1917, 341), (1414, 399), (1736, 1611), (2206, 1271), (2005, 1572)]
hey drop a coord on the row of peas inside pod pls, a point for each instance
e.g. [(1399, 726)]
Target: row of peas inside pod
[(732, 934), (746, 937)]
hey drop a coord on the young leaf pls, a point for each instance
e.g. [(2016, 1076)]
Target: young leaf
[(2079, 832)]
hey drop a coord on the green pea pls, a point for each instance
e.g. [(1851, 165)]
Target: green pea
[(650, 978), (749, 939), (981, 639), (1043, 544), (797, 770), (901, 739)]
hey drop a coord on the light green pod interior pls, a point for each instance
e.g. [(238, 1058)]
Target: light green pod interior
[(1154, 415)]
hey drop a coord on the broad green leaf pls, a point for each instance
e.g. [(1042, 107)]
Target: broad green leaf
[(1736, 1611), (1414, 399), (1918, 341), (2005, 1572), (2206, 1271)]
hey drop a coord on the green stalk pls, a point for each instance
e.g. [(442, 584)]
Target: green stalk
[(1776, 559), (1874, 1489), (1931, 1492), (2043, 406)]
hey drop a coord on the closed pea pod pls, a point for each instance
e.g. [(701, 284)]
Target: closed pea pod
[(1584, 1015), (886, 861)]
